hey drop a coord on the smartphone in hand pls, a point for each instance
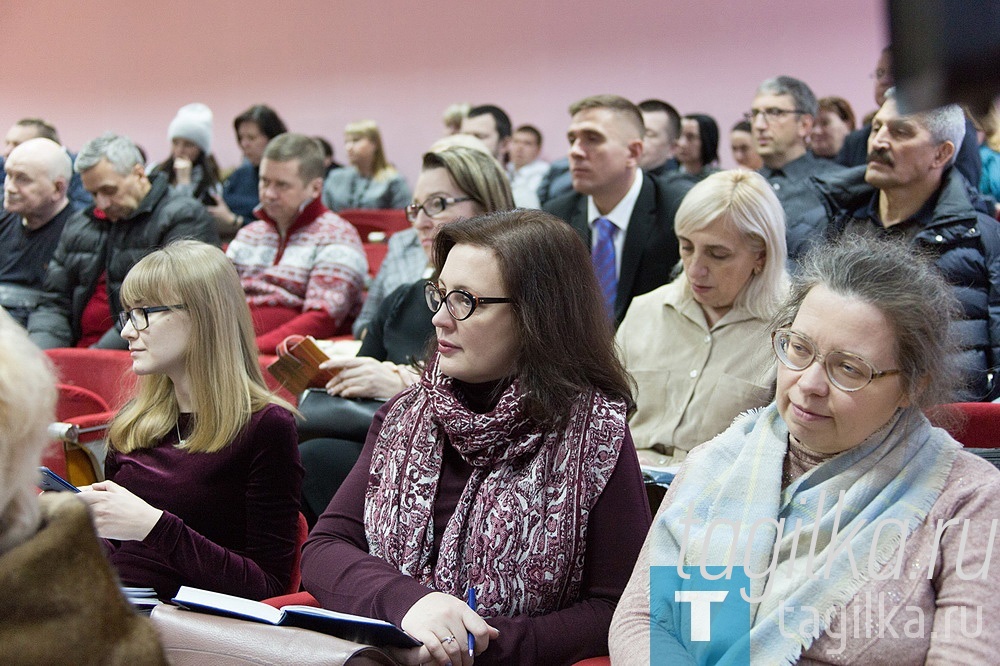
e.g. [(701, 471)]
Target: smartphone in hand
[(52, 481)]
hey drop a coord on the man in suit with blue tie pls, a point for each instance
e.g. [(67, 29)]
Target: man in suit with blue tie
[(625, 216)]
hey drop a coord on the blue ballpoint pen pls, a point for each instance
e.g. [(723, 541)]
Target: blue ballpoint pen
[(471, 598)]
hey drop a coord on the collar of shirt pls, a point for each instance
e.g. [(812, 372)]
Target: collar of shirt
[(798, 169), (620, 214)]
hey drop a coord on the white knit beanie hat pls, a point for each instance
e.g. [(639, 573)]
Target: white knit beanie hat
[(194, 123)]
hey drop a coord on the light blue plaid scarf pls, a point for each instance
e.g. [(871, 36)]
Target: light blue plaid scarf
[(896, 475)]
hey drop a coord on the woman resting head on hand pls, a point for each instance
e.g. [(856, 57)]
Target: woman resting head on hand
[(507, 468), (203, 472), (839, 493)]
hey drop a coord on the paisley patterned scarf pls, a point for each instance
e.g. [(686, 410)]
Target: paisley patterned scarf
[(519, 530)]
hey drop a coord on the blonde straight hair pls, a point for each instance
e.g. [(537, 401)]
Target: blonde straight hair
[(745, 200), (227, 386), (368, 129)]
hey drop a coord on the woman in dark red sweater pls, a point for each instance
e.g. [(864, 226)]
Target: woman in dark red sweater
[(203, 466), (507, 468)]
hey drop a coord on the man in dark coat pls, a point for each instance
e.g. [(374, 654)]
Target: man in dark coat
[(605, 135), (132, 216), (910, 190)]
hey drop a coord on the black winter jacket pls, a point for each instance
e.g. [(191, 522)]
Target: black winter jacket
[(90, 245), (966, 245)]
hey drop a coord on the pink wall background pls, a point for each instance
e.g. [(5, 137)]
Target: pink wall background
[(99, 65)]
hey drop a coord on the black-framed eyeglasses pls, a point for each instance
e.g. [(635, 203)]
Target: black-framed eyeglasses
[(433, 206), (770, 114), (848, 372), (140, 316), (460, 303)]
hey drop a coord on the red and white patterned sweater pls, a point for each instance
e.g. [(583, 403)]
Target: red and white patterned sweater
[(317, 269)]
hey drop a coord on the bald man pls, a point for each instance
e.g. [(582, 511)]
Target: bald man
[(36, 208)]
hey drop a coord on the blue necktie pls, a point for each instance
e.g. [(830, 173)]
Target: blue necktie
[(603, 257)]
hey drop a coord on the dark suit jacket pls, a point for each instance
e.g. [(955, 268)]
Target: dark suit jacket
[(650, 250)]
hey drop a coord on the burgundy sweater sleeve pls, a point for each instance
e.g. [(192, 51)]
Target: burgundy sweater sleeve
[(336, 566), (261, 567), (311, 322), (338, 571)]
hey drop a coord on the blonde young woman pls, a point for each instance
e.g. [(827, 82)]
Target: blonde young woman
[(55, 585), (203, 471), (686, 343), (370, 181)]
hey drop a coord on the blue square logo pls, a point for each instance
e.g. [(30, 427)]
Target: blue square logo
[(698, 616)]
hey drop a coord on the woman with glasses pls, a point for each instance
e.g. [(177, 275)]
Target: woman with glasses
[(852, 529), (203, 472), (690, 344), (370, 181), (507, 470), (456, 182)]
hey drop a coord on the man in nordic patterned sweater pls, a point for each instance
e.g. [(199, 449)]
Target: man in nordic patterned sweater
[(302, 267)]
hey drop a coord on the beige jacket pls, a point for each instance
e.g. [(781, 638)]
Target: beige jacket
[(692, 380)]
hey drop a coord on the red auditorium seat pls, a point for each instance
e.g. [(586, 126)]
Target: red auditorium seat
[(387, 221)]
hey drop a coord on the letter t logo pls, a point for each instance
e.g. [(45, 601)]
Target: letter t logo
[(701, 611)]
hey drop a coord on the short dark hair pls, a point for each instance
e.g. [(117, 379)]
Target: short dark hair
[(44, 129), (616, 103), (500, 117), (546, 269), (839, 106), (533, 131), (290, 146), (742, 126), (708, 132), (673, 117), (264, 117), (325, 145)]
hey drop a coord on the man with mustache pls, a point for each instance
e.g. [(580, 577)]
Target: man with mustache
[(909, 189)]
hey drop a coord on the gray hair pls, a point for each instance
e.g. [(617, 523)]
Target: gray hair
[(118, 150), (745, 200), (805, 100), (909, 292), (945, 123)]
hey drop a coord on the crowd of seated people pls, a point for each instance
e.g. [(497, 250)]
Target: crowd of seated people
[(540, 331)]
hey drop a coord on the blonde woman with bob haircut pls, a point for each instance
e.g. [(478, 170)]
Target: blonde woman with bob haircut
[(370, 181), (686, 342), (47, 543), (203, 471)]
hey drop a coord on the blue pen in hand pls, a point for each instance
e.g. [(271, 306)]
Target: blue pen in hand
[(471, 598)]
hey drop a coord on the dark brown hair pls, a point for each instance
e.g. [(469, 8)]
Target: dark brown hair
[(566, 337)]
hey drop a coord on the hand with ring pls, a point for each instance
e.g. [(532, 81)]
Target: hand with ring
[(442, 623)]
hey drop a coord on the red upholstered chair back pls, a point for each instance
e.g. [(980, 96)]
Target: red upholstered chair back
[(594, 661), (366, 221), (105, 372), (297, 599), (375, 252), (979, 427)]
